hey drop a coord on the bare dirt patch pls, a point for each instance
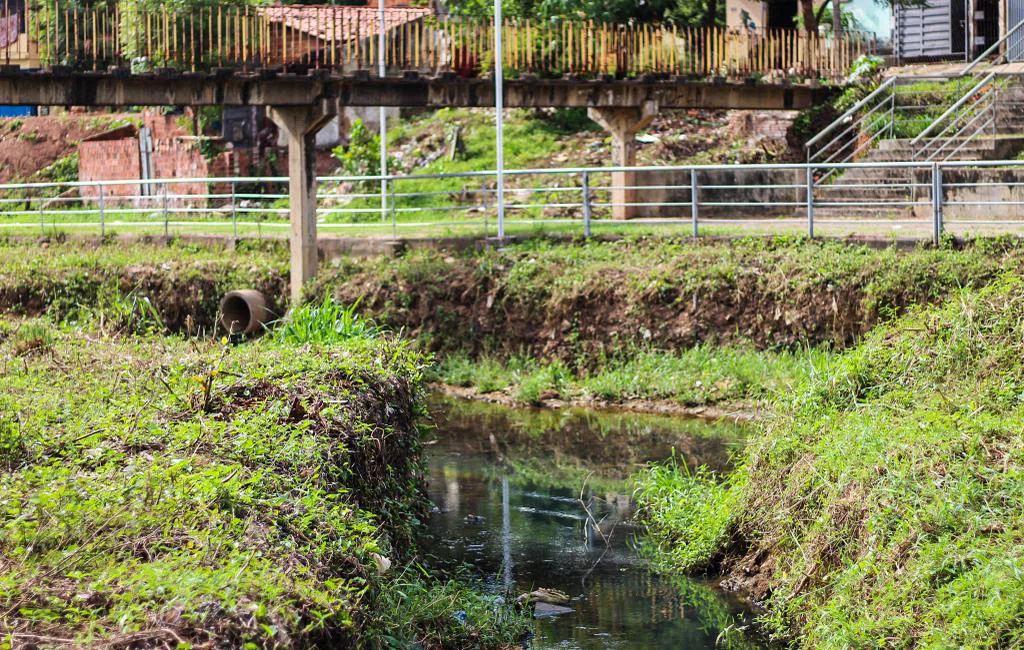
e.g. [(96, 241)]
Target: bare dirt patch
[(30, 144)]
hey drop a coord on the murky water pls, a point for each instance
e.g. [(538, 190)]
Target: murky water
[(538, 499)]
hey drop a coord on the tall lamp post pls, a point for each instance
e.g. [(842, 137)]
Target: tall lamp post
[(382, 71), (499, 116)]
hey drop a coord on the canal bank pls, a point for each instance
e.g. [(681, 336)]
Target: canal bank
[(880, 505)]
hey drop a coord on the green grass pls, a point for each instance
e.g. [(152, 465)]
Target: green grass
[(882, 505), (689, 514), (529, 142), (164, 491), (323, 323), (701, 375)]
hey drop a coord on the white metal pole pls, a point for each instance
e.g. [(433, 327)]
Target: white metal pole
[(382, 72), (499, 121)]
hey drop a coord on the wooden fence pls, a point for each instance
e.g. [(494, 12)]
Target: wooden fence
[(344, 39)]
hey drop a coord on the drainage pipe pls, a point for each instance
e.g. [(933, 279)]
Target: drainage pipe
[(244, 311)]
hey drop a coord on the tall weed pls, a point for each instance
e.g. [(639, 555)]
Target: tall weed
[(324, 324)]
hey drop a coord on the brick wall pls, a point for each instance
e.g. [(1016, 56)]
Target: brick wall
[(176, 154), (115, 156), (110, 159)]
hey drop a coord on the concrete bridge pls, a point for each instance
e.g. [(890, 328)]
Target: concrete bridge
[(304, 63)]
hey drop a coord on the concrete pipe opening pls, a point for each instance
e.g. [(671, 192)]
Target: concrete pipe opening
[(244, 311)]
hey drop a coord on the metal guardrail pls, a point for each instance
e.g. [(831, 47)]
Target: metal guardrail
[(871, 117), (970, 116), (867, 122), (916, 198)]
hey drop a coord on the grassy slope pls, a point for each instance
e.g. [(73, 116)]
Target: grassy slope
[(734, 375), (653, 319), (562, 138), (183, 283), (697, 322), (882, 508), (163, 491)]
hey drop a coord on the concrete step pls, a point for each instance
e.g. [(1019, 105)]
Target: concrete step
[(879, 212), (980, 141), (872, 175), (960, 155), (833, 193)]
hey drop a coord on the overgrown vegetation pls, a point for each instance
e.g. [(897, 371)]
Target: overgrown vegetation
[(652, 318), (705, 322), (700, 375), (181, 284), (63, 170), (324, 323), (878, 505), (165, 492), (880, 508)]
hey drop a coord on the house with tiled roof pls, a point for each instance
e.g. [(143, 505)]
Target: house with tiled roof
[(343, 35)]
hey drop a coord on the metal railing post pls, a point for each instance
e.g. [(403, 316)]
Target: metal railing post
[(810, 201), (694, 203), (586, 204), (936, 203), (394, 215), (103, 216), (234, 213), (892, 114), (166, 224)]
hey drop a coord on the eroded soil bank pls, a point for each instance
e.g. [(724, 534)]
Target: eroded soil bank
[(880, 505), (563, 301), (555, 300)]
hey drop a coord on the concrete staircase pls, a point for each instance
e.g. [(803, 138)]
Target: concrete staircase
[(894, 192)]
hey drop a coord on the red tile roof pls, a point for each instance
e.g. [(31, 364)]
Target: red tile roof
[(341, 23)]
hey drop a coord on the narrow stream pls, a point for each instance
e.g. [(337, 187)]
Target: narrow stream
[(507, 486)]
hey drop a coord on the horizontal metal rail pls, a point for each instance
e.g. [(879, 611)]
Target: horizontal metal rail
[(912, 197), (883, 89)]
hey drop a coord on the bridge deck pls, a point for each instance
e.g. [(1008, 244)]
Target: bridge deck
[(60, 87)]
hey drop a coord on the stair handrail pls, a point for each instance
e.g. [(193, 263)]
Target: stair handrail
[(991, 48), (839, 121), (982, 107), (952, 109)]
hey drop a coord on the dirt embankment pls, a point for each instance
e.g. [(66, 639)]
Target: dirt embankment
[(31, 144), (184, 285), (573, 301), (553, 300)]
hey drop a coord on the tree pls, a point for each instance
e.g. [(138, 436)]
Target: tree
[(694, 13), (680, 12)]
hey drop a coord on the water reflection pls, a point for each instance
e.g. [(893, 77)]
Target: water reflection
[(538, 499)]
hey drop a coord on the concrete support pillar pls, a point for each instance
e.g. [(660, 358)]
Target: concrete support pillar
[(300, 125), (623, 124)]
